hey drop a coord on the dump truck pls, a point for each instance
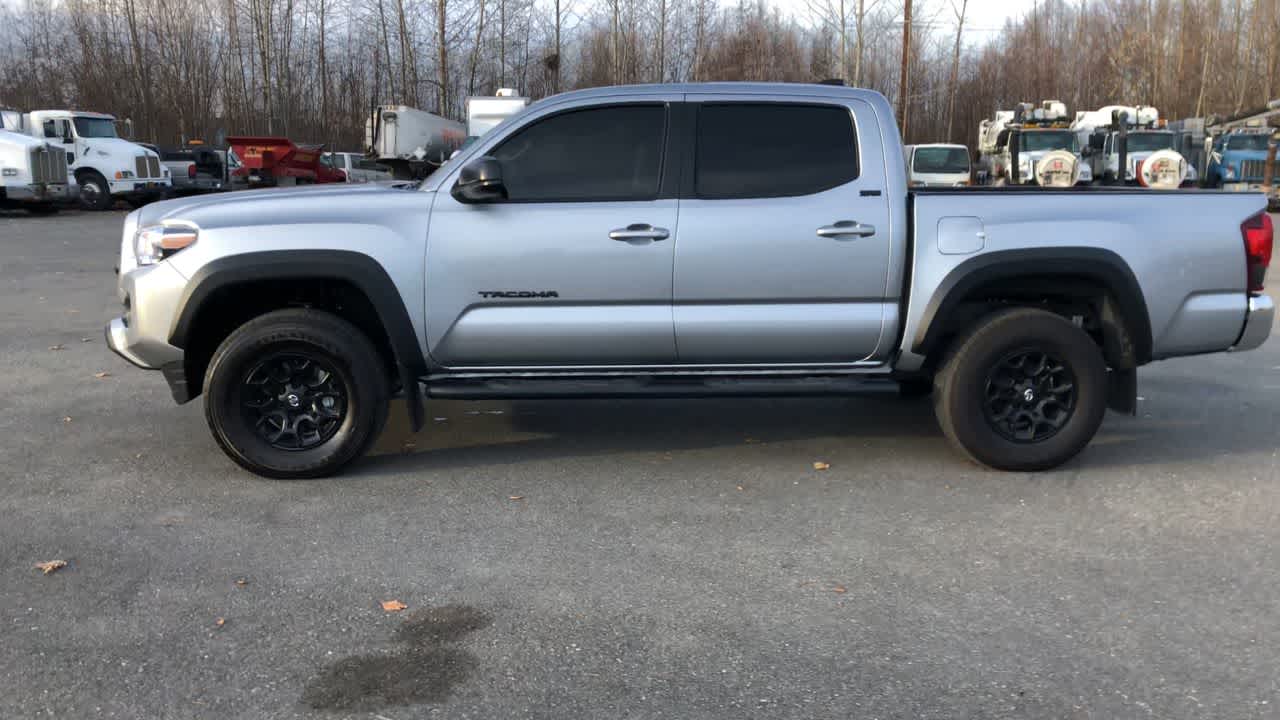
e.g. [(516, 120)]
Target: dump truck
[(277, 161)]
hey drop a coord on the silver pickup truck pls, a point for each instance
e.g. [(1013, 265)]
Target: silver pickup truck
[(682, 240)]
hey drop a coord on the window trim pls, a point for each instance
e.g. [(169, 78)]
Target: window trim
[(665, 189), (690, 187)]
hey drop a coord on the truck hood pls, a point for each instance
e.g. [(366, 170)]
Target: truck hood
[(13, 139), (272, 201), (118, 148)]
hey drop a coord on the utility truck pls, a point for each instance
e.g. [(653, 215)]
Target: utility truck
[(104, 166), (669, 241), (1135, 138), (1031, 145), (411, 142), (33, 173)]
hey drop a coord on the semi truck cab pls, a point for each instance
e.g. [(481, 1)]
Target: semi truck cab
[(105, 166)]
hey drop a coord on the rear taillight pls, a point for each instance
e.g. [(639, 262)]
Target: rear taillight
[(191, 171), (1258, 237)]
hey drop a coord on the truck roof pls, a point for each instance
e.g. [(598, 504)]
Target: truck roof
[(76, 113), (738, 88)]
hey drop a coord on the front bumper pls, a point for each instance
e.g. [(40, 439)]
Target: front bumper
[(1257, 323), (151, 296), (135, 186), (40, 192)]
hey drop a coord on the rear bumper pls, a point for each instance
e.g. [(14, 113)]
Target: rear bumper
[(1257, 323)]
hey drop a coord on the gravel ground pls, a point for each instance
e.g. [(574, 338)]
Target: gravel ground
[(637, 559)]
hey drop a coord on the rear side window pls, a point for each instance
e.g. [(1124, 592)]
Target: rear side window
[(606, 153), (755, 150)]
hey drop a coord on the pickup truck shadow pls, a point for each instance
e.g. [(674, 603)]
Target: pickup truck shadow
[(1180, 419), (459, 434)]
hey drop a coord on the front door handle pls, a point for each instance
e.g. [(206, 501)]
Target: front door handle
[(846, 228), (639, 231)]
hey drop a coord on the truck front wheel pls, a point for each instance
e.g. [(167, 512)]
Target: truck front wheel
[(1024, 390), (295, 393), (95, 193)]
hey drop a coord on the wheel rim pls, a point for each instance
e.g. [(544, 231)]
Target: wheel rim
[(1030, 396), (293, 400), (90, 192)]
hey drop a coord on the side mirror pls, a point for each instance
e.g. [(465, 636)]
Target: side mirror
[(480, 182), (1086, 151)]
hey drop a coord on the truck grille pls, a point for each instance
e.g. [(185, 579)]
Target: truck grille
[(1252, 170), (146, 166), (49, 165)]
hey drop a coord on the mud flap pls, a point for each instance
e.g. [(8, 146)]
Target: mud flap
[(1122, 390)]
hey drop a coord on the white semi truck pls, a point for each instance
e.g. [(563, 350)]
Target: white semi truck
[(1132, 137), (1031, 145), (104, 166), (33, 173)]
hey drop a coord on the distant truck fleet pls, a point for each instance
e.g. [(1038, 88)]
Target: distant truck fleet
[(1031, 145)]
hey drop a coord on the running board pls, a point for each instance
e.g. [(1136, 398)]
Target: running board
[(651, 386)]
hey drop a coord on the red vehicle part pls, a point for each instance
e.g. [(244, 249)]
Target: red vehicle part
[(269, 161)]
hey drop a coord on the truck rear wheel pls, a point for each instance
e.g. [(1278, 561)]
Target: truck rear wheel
[(296, 393), (95, 193), (1024, 390)]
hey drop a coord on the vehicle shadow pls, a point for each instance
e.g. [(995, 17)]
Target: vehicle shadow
[(460, 434), (1180, 420)]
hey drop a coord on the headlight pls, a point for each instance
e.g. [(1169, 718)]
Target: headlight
[(154, 243), (9, 172), (1231, 172), (123, 174)]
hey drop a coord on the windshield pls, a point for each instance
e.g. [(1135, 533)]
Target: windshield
[(87, 127), (954, 160), (1036, 140), (1247, 142), (1150, 141)]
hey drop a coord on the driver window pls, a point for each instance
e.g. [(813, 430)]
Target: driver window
[(597, 154), (51, 129)]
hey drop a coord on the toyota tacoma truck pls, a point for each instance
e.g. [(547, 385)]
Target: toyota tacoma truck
[(701, 240)]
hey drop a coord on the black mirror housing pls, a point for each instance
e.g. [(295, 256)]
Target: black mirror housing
[(480, 182)]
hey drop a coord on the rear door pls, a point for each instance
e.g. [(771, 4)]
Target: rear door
[(574, 269), (783, 250)]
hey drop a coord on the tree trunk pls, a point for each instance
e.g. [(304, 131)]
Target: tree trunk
[(955, 69), (904, 77), (443, 60)]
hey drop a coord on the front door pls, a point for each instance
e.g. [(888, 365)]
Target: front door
[(784, 247), (574, 268)]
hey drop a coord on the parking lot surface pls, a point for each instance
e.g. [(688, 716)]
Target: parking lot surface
[(638, 559)]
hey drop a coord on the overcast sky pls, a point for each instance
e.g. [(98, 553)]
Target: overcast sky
[(982, 18)]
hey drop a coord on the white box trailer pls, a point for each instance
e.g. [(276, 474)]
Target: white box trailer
[(410, 141), (484, 113)]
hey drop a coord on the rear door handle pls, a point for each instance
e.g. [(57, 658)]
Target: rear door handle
[(846, 228), (639, 231)]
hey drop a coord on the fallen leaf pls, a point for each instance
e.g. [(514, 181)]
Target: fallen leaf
[(840, 589), (102, 374), (86, 339), (242, 581), (220, 622), (751, 440), (66, 418), (740, 487), (819, 465), (51, 565), (515, 497), (393, 605), (55, 348)]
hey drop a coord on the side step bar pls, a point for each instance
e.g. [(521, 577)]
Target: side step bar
[(652, 386)]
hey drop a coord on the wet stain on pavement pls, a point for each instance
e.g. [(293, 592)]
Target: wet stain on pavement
[(425, 669)]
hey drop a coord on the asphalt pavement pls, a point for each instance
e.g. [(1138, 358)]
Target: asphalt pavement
[(630, 559)]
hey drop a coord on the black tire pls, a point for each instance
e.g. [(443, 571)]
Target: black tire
[(241, 378), (95, 193), (988, 420)]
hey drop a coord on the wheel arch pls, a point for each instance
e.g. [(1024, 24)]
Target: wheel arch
[(298, 277), (1096, 274)]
